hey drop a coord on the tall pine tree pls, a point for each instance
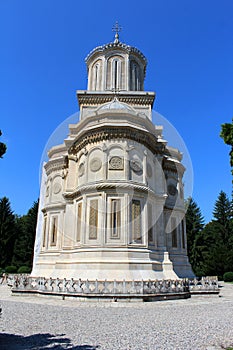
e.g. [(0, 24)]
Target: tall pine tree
[(223, 215), (213, 245), (24, 244), (194, 225), (7, 232)]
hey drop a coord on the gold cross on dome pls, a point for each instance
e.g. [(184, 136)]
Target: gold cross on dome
[(116, 28)]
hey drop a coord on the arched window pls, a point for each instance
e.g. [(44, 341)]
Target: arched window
[(135, 77), (116, 74)]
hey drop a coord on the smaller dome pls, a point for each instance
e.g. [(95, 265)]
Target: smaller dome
[(115, 104)]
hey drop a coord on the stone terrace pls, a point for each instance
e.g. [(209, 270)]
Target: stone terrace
[(202, 322)]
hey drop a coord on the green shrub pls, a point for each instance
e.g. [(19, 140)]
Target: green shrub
[(2, 271), (24, 269), (228, 277), (11, 269)]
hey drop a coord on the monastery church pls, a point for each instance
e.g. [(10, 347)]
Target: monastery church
[(112, 197)]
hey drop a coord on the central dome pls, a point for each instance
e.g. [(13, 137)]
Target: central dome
[(116, 67)]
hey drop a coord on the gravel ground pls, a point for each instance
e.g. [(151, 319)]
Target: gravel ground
[(49, 323)]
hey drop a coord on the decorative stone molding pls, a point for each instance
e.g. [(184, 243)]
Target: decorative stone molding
[(55, 165), (57, 188), (99, 288), (81, 169), (109, 133), (70, 287), (136, 165), (116, 163), (92, 99), (101, 186), (115, 45), (95, 164)]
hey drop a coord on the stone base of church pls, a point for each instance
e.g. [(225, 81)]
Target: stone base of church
[(120, 264), (108, 298)]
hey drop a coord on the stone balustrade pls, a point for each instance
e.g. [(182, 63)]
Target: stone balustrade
[(208, 285), (157, 289)]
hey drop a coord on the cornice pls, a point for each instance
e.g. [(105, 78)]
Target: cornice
[(117, 132), (55, 164), (108, 185), (116, 46), (54, 206), (87, 98)]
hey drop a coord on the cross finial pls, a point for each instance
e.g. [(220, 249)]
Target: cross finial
[(116, 28)]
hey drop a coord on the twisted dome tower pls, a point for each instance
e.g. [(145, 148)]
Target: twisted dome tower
[(112, 198)]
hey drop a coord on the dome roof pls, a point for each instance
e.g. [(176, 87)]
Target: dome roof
[(115, 104), (116, 45)]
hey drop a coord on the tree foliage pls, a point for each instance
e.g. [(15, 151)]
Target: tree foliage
[(227, 135), (24, 243), (211, 250), (2, 147), (17, 235), (194, 225), (7, 232)]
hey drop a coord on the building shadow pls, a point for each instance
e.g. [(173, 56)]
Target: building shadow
[(39, 342)]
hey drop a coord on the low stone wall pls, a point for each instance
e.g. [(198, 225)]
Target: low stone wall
[(114, 290), (205, 285), (145, 290)]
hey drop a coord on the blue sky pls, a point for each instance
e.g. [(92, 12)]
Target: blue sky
[(189, 47)]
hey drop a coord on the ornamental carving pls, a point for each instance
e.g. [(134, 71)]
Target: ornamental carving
[(56, 188), (172, 190), (116, 163), (81, 169), (95, 164), (136, 166), (110, 133)]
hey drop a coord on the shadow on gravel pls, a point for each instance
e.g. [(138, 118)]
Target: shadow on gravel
[(39, 342)]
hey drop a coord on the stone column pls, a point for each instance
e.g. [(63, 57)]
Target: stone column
[(105, 162), (144, 167), (127, 163)]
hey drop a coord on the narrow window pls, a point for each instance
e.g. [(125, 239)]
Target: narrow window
[(54, 231), (136, 221), (44, 231), (150, 225), (115, 74), (174, 232), (79, 221), (93, 219), (96, 76), (115, 218)]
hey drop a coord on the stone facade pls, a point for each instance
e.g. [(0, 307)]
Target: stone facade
[(112, 198)]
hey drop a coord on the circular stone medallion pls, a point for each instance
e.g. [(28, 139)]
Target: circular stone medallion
[(172, 190), (56, 188), (136, 165), (95, 164), (81, 169)]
